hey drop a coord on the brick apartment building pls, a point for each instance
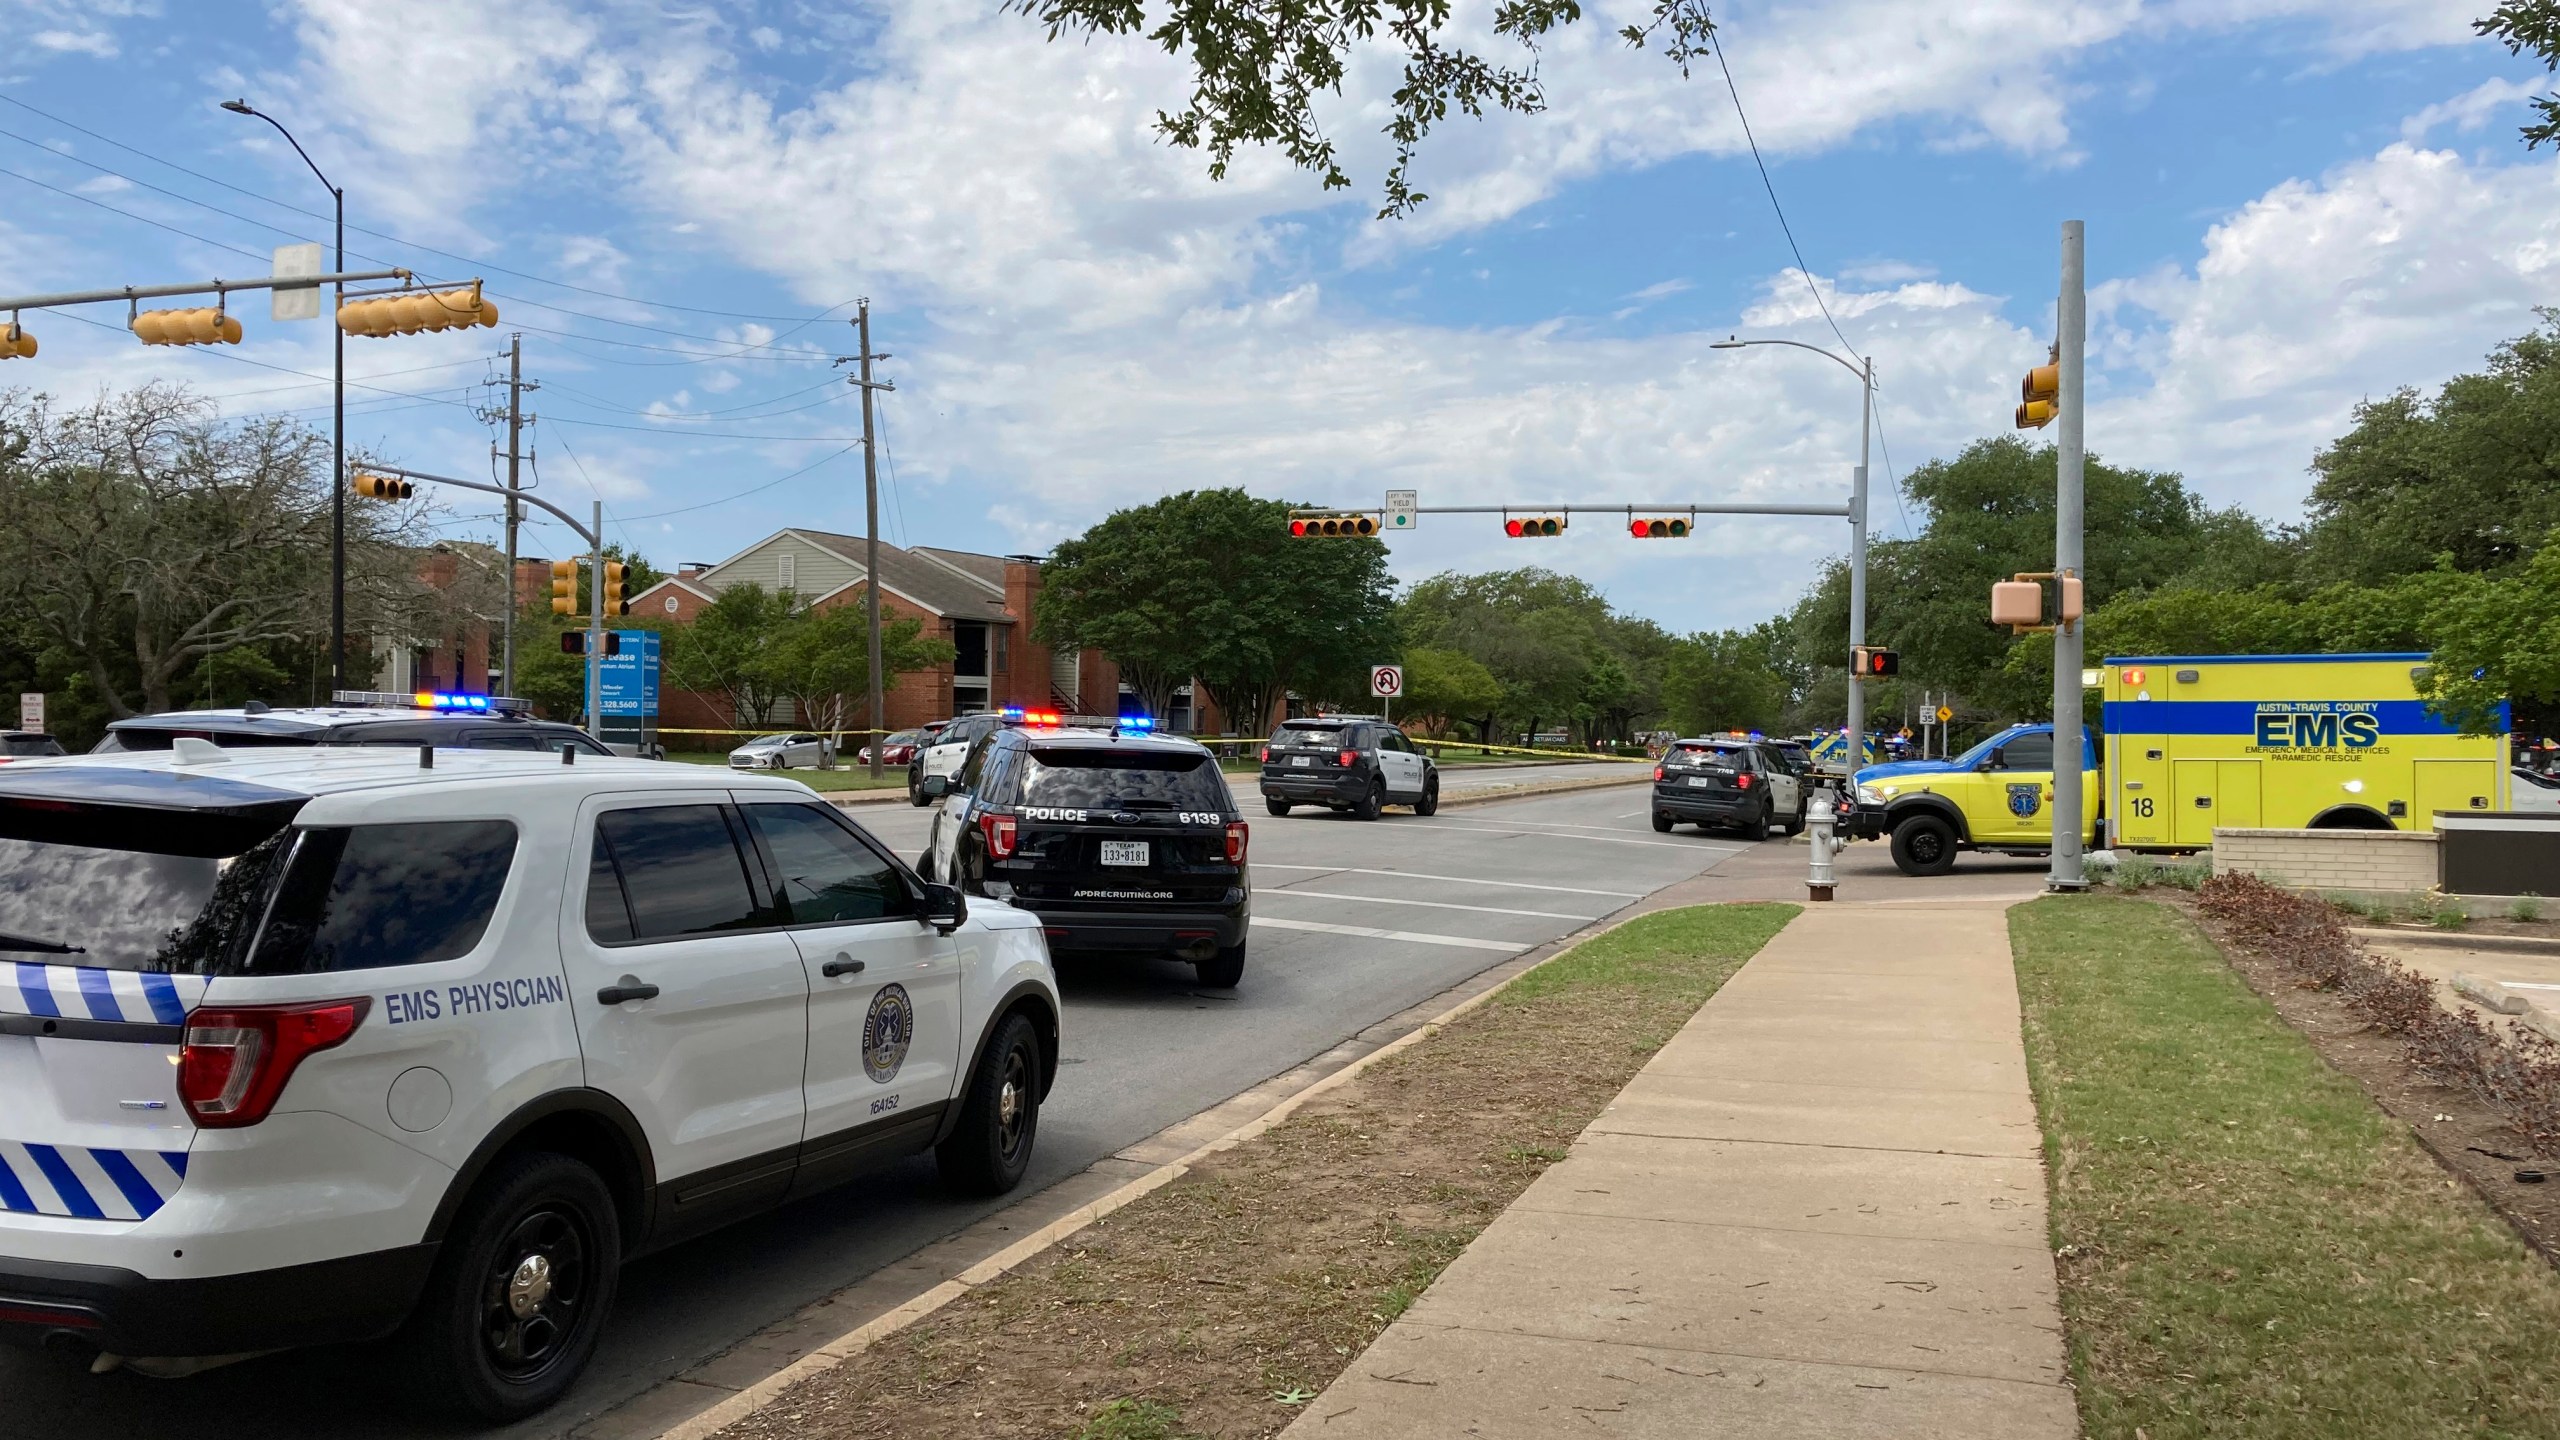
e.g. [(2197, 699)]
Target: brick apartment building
[(983, 605)]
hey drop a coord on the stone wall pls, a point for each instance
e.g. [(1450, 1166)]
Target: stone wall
[(2392, 862)]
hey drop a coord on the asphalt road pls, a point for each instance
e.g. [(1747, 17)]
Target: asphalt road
[(1353, 923)]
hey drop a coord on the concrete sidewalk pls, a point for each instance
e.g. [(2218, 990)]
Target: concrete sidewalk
[(1818, 1211)]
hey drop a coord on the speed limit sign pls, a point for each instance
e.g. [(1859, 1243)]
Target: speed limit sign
[(1386, 681)]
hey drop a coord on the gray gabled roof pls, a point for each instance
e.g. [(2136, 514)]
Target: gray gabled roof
[(939, 579)]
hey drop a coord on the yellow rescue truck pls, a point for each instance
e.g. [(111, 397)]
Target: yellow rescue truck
[(2285, 742)]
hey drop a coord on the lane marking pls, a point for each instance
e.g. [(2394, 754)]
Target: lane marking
[(1410, 936), (1535, 834), (1430, 904), (2527, 985), (1454, 879)]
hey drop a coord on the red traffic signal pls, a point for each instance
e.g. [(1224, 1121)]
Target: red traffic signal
[(1311, 526), (1673, 528), (1530, 527)]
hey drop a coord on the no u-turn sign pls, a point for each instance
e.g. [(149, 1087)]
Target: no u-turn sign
[(1386, 681)]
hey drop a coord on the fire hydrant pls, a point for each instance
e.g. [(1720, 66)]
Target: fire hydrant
[(1819, 819)]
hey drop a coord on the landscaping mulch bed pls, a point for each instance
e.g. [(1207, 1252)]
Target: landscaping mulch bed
[(2485, 1144), (1222, 1303)]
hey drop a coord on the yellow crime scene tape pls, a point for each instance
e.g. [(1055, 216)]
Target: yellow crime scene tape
[(840, 736)]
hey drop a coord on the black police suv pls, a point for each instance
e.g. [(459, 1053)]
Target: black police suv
[(1727, 783), (1352, 763), (1121, 843)]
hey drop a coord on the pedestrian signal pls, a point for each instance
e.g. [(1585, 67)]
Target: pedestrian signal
[(1874, 662), (574, 642)]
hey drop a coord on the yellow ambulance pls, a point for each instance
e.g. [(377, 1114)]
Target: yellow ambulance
[(2283, 742)]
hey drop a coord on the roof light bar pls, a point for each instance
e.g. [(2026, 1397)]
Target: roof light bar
[(446, 701)]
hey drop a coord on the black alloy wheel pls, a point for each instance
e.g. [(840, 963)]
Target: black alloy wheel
[(1429, 804), (520, 1291), (533, 1296), (988, 1151), (1374, 802), (1924, 845)]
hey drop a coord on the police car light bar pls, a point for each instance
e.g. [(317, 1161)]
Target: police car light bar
[(1136, 722), (440, 700)]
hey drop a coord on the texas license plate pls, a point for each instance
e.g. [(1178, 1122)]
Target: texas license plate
[(1702, 782), (1124, 852), (1301, 761)]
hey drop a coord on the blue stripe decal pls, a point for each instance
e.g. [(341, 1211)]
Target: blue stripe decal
[(137, 1191), (33, 984), (66, 1183), (2240, 717), (177, 1161), (13, 1194), (162, 992), (100, 993)]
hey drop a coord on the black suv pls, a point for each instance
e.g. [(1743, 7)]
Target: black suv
[(1122, 843), (1727, 782), (1347, 762), (347, 725)]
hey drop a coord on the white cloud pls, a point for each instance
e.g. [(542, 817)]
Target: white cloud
[(2395, 270), (97, 43), (2471, 109)]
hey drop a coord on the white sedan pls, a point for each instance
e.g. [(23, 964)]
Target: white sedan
[(779, 752), (2536, 792)]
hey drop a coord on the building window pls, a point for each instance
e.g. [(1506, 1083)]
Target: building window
[(787, 574), (1003, 643), (969, 639)]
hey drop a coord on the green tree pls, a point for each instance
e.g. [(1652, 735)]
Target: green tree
[(1208, 585), (2534, 25), (730, 650), (1258, 69), (822, 662), (2470, 476), (1538, 632), (1443, 686), (1727, 680), (2498, 639)]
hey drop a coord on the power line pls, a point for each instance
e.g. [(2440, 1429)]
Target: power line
[(702, 434), (1715, 39), (795, 321), (743, 494), (129, 215)]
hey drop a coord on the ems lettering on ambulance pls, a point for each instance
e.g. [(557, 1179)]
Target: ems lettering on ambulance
[(2317, 729)]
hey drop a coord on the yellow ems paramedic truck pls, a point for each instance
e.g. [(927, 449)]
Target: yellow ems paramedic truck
[(2285, 742)]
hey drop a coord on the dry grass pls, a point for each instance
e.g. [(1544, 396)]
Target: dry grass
[(1220, 1304)]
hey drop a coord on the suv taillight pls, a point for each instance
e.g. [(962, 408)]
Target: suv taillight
[(1236, 836), (1349, 758), (235, 1059), (1266, 754), (1000, 832), (1657, 772), (1742, 781)]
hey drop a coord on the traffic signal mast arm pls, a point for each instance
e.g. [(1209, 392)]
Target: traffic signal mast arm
[(209, 287)]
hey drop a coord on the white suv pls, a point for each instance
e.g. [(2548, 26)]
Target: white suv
[(308, 1045)]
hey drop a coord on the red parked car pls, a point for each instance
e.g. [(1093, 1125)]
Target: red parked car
[(900, 747)]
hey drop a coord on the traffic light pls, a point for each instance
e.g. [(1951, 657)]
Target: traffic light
[(2042, 393), (412, 311), (1533, 527), (16, 343), (564, 587), (206, 326), (614, 604), (1675, 528), (1875, 662), (574, 642), (381, 487), (1317, 526)]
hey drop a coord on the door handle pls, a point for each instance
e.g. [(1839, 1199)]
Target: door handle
[(841, 965), (629, 990)]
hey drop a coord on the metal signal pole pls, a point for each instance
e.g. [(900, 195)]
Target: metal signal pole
[(2066, 873)]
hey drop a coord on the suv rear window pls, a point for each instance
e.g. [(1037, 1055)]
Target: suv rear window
[(14, 745), (1312, 737), (309, 899), (1101, 779)]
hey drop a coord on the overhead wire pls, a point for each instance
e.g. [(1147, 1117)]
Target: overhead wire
[(758, 490), (1715, 41)]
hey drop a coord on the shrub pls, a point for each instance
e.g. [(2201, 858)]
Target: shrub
[(2136, 872), (2528, 907), (2514, 1070)]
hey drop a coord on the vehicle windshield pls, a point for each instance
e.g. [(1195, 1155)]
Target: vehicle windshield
[(1310, 737), (1124, 779)]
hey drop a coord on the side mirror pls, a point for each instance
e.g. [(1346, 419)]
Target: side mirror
[(934, 787), (1998, 759), (945, 908)]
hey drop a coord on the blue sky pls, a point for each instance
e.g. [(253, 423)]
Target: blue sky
[(2291, 204)]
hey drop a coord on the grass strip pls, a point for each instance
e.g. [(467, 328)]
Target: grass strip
[(2246, 1245), (1220, 1304)]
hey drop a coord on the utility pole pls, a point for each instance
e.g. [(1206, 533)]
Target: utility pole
[(516, 421), (2073, 323), (1856, 754), (871, 527)]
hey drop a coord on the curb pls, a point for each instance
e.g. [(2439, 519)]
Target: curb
[(1545, 787), (763, 1393), (2457, 940)]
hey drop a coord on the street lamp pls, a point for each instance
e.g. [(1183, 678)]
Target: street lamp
[(1865, 369), (338, 429)]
